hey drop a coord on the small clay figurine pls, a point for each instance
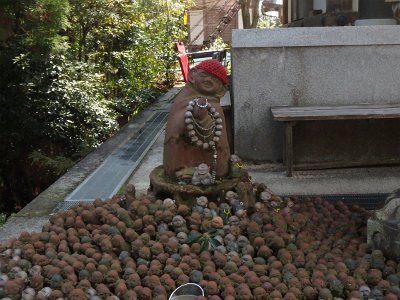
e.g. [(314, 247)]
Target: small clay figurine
[(242, 241), (182, 237), (248, 250), (232, 246), (236, 166), (217, 223), (195, 221), (179, 224), (201, 203), (258, 207), (248, 261), (231, 196), (225, 212), (202, 175), (275, 204), (162, 227), (289, 206), (28, 294), (265, 196), (229, 238), (233, 221), (208, 214), (168, 203), (206, 225), (365, 291), (237, 207)]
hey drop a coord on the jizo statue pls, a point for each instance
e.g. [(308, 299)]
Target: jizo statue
[(196, 131)]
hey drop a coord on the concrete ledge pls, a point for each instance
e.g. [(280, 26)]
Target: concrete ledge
[(316, 36), (362, 181)]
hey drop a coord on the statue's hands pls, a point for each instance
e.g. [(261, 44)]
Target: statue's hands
[(200, 111)]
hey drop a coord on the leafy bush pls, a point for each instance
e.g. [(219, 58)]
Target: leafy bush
[(70, 68), (78, 114)]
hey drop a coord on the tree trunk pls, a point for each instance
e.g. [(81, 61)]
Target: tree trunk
[(250, 20), (256, 13)]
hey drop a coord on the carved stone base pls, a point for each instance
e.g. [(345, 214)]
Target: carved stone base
[(162, 186)]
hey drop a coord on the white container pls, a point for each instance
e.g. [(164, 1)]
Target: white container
[(188, 291)]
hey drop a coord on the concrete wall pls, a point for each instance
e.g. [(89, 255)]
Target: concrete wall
[(307, 66)]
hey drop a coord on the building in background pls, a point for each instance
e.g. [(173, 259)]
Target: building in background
[(309, 13), (208, 19)]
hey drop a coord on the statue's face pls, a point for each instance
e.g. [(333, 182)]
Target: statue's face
[(203, 169), (182, 237), (206, 83), (202, 201), (178, 221)]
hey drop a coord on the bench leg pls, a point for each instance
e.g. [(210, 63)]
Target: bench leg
[(289, 148)]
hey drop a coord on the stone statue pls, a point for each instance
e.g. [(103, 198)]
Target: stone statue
[(196, 133), (179, 224), (201, 175), (383, 227)]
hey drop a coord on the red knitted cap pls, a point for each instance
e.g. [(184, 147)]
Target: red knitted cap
[(215, 68)]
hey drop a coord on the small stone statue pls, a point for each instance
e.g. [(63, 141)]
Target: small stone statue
[(237, 206), (265, 196), (200, 205), (168, 203), (195, 221), (202, 175), (182, 237), (234, 221), (289, 206), (179, 224), (242, 241), (236, 166), (208, 214), (365, 291), (225, 212), (383, 227)]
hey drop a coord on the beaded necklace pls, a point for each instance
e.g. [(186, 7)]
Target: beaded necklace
[(206, 138)]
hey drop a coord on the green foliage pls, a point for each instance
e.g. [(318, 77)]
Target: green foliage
[(132, 41), (57, 165), (69, 69), (218, 44), (266, 21), (78, 113), (32, 35), (36, 24), (207, 239), (134, 104)]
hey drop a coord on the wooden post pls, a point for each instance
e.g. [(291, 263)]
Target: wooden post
[(289, 148)]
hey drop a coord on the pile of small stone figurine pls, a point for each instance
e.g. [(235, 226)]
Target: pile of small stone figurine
[(143, 247)]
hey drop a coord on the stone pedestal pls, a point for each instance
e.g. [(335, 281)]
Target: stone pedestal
[(163, 186)]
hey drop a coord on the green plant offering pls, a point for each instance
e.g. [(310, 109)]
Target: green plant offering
[(207, 239)]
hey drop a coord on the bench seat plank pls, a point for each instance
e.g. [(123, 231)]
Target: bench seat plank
[(361, 111), (291, 114)]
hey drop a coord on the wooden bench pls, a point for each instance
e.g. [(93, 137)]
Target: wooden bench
[(292, 114)]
